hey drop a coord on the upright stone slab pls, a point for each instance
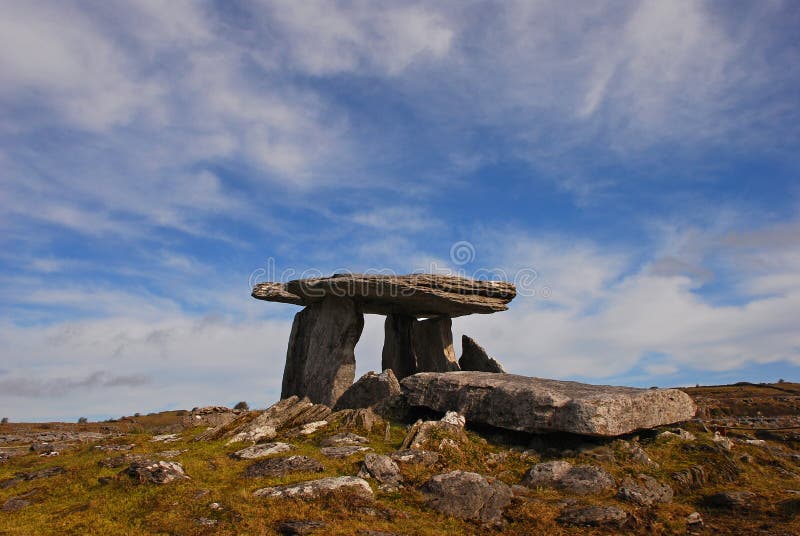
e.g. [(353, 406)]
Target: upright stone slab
[(474, 357), (433, 345), (320, 360), (398, 350)]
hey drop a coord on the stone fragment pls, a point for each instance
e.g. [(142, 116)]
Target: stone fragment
[(592, 516), (678, 433), (644, 490), (282, 466), (114, 448), (308, 428), (731, 500), (418, 295), (346, 438), (206, 521), (586, 479), (694, 521), (261, 451), (381, 468), (370, 389), (722, 442), (474, 357), (299, 527), (47, 472), (313, 489), (165, 438), (546, 474), (535, 405), (422, 457), (467, 495), (155, 472), (344, 451), (320, 359)]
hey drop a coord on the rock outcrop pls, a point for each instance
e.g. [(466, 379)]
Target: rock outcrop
[(261, 451), (644, 490), (474, 357), (283, 466), (467, 495), (381, 468), (256, 427), (320, 360), (536, 405), (577, 479), (370, 389)]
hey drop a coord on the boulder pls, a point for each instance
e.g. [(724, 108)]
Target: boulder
[(536, 405), (155, 472), (418, 295), (370, 389), (450, 426), (546, 474), (313, 489), (320, 359), (362, 418), (593, 516), (261, 451), (731, 500), (381, 468), (467, 496), (577, 479), (644, 490), (209, 416), (474, 357), (299, 527), (283, 466)]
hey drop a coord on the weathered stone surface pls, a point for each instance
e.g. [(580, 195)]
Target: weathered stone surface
[(644, 490), (155, 472), (261, 451), (320, 359), (467, 495), (346, 438), (474, 357), (381, 468), (534, 404), (422, 457), (593, 516), (370, 389), (419, 295), (313, 489), (283, 466), (344, 451)]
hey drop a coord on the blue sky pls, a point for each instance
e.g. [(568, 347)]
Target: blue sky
[(640, 158)]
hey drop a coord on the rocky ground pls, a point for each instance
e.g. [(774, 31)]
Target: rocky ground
[(300, 468)]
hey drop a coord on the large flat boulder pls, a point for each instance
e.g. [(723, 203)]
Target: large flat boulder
[(539, 405), (418, 295)]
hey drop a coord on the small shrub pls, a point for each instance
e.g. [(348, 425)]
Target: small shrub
[(83, 420), (242, 406), (137, 414), (4, 420)]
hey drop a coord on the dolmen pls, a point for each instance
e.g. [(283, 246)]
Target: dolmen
[(418, 351), (320, 359)]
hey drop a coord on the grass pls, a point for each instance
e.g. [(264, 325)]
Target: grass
[(77, 503)]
